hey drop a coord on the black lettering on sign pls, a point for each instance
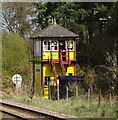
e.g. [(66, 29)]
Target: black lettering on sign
[(37, 70)]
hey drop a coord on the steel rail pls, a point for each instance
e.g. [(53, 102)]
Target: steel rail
[(11, 115), (29, 112)]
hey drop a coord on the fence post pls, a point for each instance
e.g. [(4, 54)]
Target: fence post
[(76, 91), (117, 106), (49, 92), (99, 99), (66, 92), (110, 99), (89, 94), (57, 92), (41, 92)]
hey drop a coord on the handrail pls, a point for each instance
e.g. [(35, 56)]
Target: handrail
[(68, 58), (53, 66), (62, 66), (63, 69), (60, 56), (60, 61)]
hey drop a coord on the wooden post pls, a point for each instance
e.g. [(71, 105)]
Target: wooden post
[(17, 93), (57, 92), (110, 99), (41, 92), (76, 91), (49, 92), (67, 92), (57, 83), (117, 106), (99, 99), (89, 94)]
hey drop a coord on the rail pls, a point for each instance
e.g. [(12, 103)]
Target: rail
[(24, 111)]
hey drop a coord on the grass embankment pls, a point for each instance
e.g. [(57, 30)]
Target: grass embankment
[(81, 106)]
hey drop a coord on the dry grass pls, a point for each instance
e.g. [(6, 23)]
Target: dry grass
[(81, 106)]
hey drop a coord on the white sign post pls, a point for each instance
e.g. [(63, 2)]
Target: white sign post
[(17, 79)]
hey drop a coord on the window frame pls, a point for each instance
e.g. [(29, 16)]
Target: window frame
[(72, 45), (47, 81), (50, 45), (37, 48)]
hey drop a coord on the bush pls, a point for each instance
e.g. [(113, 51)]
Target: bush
[(15, 59)]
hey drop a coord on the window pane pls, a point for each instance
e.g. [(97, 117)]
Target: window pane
[(37, 48), (55, 47), (70, 44), (50, 45), (47, 81), (55, 43), (45, 47)]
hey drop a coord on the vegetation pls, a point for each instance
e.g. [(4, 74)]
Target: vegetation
[(15, 60), (15, 16), (97, 50), (81, 106)]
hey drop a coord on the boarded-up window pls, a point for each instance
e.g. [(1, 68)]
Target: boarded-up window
[(37, 48)]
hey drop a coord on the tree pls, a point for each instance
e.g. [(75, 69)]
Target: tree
[(15, 52), (15, 57), (97, 42), (16, 17)]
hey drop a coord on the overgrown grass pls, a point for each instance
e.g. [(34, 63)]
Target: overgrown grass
[(81, 106)]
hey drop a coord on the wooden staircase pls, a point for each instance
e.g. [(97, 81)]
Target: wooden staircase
[(53, 67), (58, 69), (62, 68), (63, 59)]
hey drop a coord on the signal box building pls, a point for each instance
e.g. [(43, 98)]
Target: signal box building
[(54, 54)]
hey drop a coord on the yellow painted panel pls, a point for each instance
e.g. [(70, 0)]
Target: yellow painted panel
[(37, 78), (46, 93), (70, 69), (52, 81), (55, 55), (47, 55), (71, 55), (46, 97), (47, 70)]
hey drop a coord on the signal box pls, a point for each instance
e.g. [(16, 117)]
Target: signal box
[(54, 54)]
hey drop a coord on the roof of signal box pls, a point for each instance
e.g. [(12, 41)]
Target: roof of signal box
[(54, 30)]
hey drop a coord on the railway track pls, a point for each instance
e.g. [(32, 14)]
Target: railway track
[(23, 111)]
